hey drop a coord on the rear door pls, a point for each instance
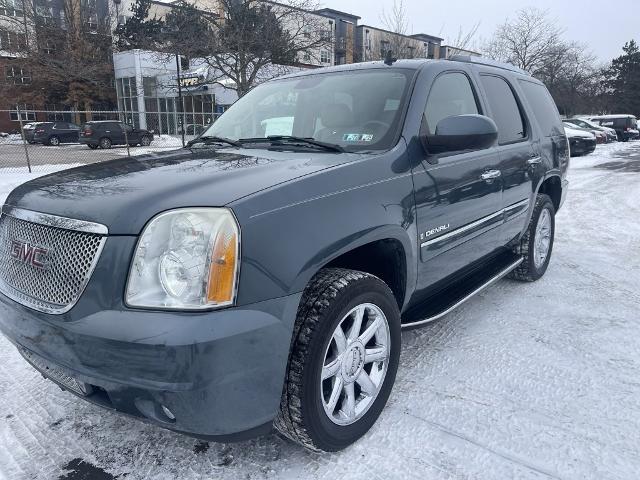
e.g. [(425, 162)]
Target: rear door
[(114, 131), (458, 195), (62, 131), (518, 155), (74, 132)]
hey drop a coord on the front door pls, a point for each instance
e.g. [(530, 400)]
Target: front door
[(458, 196)]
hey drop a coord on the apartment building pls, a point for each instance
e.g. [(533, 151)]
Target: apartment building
[(373, 43), (41, 24)]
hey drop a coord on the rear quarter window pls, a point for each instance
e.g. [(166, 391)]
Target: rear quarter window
[(543, 107)]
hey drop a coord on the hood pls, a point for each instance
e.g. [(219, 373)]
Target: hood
[(125, 193), (578, 133)]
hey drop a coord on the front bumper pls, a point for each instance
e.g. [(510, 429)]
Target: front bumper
[(220, 373)]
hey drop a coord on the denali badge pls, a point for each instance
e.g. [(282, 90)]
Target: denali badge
[(433, 231), (30, 254)]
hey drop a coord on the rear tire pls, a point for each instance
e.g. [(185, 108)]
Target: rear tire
[(536, 244), (105, 143), (53, 141), (338, 383)]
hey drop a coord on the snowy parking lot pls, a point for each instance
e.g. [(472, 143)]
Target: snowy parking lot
[(527, 381)]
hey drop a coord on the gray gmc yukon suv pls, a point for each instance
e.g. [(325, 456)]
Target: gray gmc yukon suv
[(261, 276)]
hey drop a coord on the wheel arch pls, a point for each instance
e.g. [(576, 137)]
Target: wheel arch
[(384, 252), (552, 186)]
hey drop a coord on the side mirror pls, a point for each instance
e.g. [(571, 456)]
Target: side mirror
[(461, 132)]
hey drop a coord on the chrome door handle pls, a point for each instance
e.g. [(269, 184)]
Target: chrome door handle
[(491, 175), (534, 160)]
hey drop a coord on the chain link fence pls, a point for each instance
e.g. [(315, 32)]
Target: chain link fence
[(33, 141)]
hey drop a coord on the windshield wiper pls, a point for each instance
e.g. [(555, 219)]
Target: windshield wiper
[(292, 140), (210, 140)]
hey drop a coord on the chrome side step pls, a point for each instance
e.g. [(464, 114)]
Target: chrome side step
[(502, 273)]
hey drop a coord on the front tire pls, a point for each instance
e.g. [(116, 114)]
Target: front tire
[(536, 245), (145, 141), (343, 360), (54, 141), (105, 143)]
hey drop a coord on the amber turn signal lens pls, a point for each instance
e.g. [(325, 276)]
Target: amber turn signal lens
[(222, 275)]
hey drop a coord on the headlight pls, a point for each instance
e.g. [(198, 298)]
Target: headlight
[(186, 259)]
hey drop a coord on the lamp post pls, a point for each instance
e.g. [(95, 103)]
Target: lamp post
[(174, 30)]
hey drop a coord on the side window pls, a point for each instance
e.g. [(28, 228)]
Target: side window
[(505, 109), (543, 106), (60, 126), (451, 94)]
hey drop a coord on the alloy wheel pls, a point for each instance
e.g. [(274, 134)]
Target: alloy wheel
[(355, 364), (542, 241)]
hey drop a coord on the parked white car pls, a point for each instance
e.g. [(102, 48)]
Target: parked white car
[(581, 142), (612, 136)]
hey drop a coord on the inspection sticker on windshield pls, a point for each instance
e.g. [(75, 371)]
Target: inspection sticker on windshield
[(357, 137)]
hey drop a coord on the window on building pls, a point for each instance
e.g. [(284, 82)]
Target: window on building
[(44, 14), (505, 110), (17, 75), (306, 57), (149, 86), (92, 22), (49, 47), (450, 95), (12, 41), (324, 56), (22, 112), (184, 63), (11, 8), (325, 35)]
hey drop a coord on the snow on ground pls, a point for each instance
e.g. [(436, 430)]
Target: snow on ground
[(527, 381)]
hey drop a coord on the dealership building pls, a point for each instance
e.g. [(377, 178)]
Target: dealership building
[(153, 94)]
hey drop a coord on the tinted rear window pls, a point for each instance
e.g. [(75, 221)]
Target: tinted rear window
[(544, 108), (505, 110)]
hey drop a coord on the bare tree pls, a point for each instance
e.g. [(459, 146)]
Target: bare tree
[(464, 40), (527, 41), (396, 21), (63, 58), (534, 42), (244, 42)]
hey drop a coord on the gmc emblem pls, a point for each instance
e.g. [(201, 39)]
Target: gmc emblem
[(29, 254)]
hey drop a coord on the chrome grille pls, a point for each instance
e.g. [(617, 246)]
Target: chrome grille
[(65, 262)]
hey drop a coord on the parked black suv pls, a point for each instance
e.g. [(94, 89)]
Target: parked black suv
[(55, 133), (250, 281), (626, 126), (106, 133)]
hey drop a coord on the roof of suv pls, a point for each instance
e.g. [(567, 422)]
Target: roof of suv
[(411, 64), (613, 117)]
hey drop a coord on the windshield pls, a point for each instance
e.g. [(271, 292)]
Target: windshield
[(357, 110)]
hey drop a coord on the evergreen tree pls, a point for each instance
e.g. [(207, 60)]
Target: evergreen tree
[(624, 80)]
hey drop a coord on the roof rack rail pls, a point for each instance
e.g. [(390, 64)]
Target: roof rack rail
[(489, 62)]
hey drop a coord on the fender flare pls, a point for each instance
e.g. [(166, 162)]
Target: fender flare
[(338, 248)]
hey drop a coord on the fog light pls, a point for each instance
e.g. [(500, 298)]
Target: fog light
[(168, 413)]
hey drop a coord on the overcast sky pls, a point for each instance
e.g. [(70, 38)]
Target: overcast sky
[(603, 25)]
